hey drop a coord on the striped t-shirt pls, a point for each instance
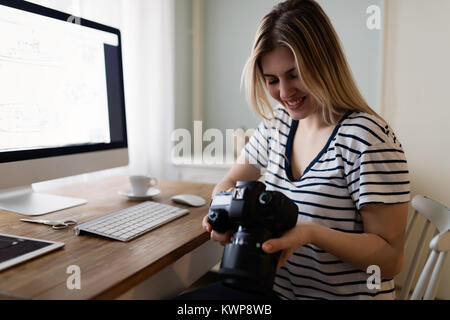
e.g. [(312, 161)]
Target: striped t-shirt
[(362, 163)]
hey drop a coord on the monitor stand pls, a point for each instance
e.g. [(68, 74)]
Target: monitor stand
[(27, 202)]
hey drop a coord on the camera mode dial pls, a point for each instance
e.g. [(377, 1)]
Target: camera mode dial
[(265, 198)]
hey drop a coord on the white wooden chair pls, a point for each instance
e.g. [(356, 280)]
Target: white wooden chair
[(438, 217)]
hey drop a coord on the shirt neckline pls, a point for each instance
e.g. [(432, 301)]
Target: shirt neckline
[(290, 142)]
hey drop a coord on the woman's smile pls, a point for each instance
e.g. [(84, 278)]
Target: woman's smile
[(294, 105)]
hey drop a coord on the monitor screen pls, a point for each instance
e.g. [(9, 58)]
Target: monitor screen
[(62, 103), (61, 86)]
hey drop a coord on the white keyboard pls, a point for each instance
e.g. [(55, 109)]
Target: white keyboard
[(127, 224)]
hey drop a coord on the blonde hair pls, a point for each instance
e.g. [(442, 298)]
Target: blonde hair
[(304, 28)]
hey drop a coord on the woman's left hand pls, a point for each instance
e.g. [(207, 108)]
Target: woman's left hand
[(293, 239)]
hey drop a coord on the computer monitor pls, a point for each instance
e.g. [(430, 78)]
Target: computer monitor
[(62, 105)]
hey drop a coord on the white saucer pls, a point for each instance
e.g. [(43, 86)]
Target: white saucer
[(129, 194)]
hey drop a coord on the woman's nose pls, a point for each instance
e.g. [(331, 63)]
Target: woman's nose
[(287, 90)]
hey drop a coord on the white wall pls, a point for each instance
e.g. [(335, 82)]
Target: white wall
[(416, 101), (104, 11), (229, 31), (362, 46)]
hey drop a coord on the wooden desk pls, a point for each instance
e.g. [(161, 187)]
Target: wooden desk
[(108, 268)]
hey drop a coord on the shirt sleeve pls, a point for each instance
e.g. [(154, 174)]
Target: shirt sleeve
[(257, 149), (379, 175)]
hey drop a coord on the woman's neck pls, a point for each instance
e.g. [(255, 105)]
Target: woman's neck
[(313, 123)]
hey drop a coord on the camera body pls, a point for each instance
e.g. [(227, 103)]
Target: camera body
[(256, 215)]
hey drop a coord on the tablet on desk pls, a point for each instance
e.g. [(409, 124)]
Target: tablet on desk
[(17, 249)]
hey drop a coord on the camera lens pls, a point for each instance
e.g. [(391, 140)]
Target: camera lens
[(265, 198), (245, 265)]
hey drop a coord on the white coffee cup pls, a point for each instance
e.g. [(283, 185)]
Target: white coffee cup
[(141, 184)]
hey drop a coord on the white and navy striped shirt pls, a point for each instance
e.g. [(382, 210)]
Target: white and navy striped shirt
[(362, 163)]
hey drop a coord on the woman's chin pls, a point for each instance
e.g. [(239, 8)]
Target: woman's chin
[(297, 114)]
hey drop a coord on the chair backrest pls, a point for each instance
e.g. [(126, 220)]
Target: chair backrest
[(438, 217), (434, 211)]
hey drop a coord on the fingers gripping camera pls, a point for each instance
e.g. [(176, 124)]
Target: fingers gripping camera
[(256, 215)]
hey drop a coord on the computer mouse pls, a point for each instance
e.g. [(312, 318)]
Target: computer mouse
[(189, 199)]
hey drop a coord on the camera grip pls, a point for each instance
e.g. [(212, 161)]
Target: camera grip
[(219, 221)]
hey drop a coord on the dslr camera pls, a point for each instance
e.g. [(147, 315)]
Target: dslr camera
[(255, 216)]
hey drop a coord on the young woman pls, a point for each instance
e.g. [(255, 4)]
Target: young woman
[(328, 151)]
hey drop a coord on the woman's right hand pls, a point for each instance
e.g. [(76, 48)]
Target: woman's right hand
[(223, 238), (242, 170)]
